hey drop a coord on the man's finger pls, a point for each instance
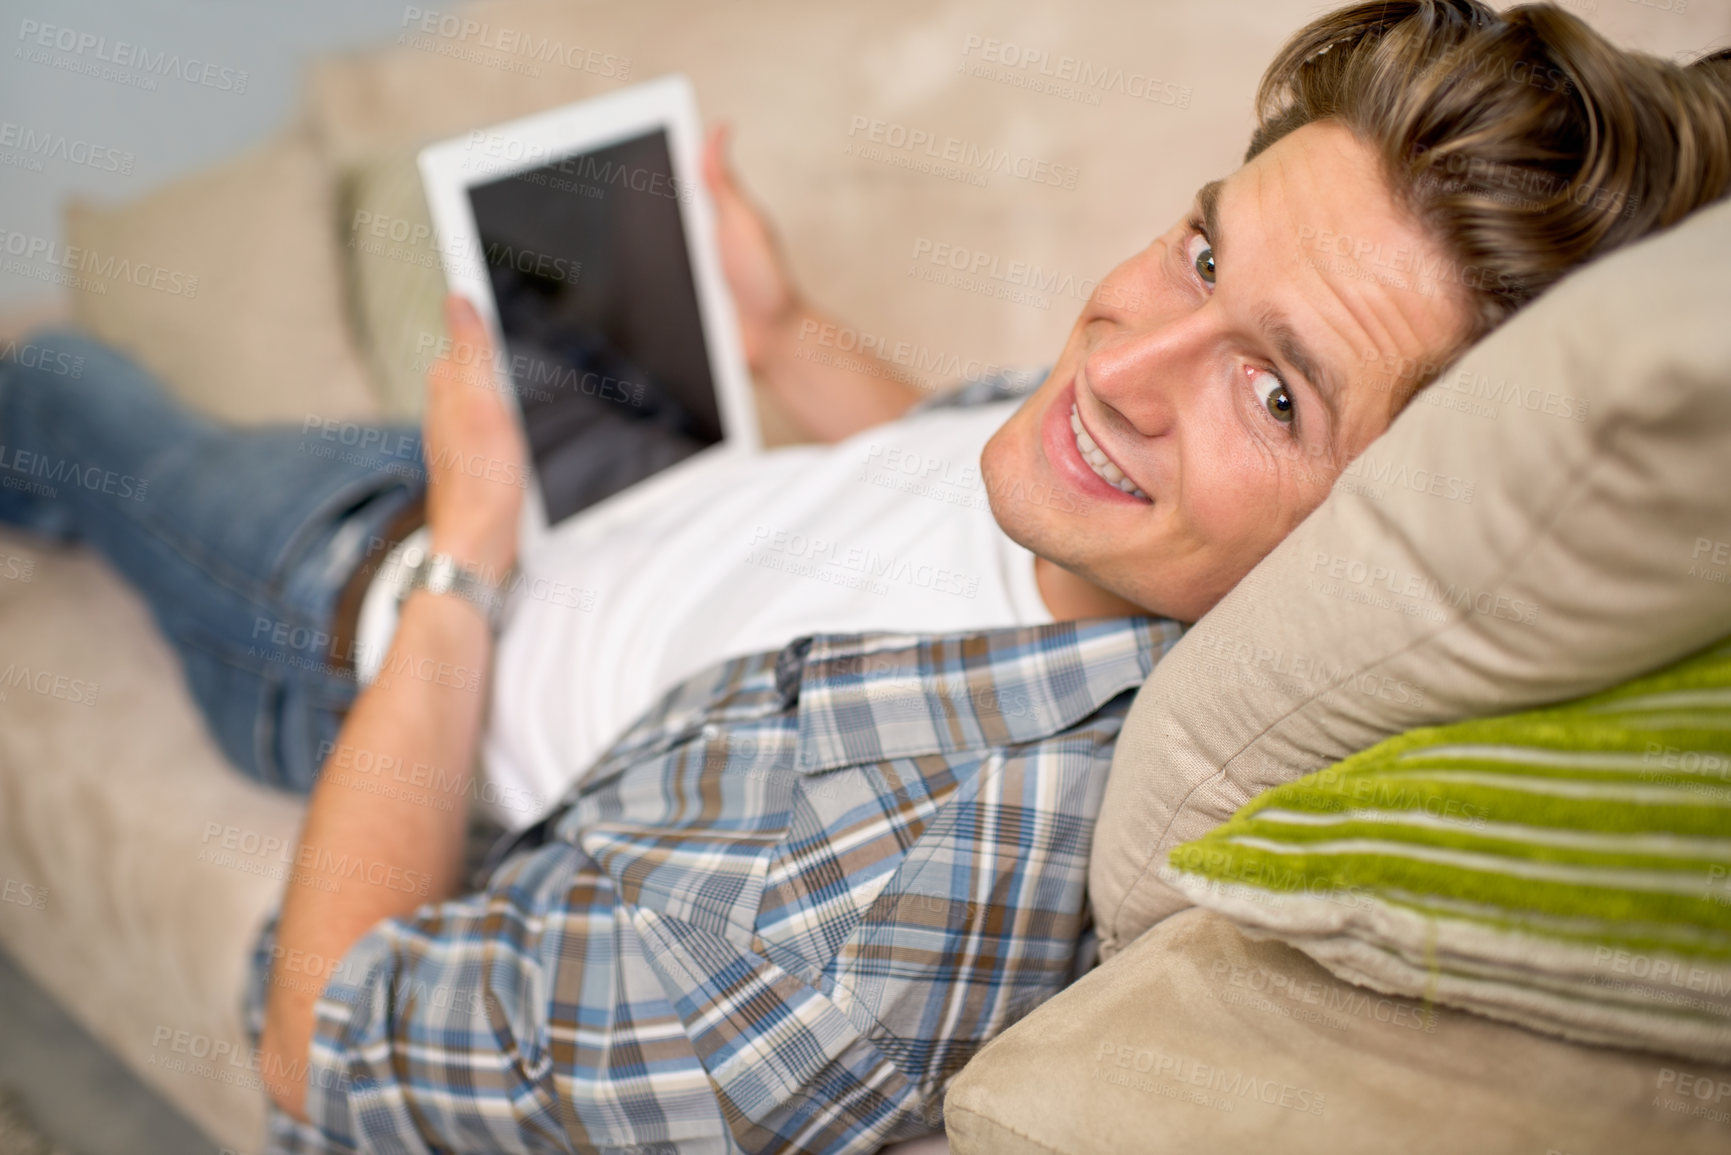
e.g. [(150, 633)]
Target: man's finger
[(462, 319), (470, 356), (712, 157), (717, 171)]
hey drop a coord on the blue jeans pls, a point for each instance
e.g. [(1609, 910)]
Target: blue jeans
[(239, 539)]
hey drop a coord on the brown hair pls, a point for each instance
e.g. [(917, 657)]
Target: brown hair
[(1524, 141)]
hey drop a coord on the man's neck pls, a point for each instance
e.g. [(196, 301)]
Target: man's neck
[(1069, 597)]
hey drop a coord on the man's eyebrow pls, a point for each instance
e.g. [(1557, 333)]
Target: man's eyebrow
[(1293, 351), (1209, 197)]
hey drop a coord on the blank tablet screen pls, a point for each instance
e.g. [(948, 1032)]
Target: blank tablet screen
[(603, 339)]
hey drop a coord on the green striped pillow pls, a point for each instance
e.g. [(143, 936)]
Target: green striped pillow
[(1567, 868)]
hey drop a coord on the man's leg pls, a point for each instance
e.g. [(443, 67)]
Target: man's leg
[(239, 539)]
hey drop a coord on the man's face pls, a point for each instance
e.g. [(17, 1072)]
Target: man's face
[(1228, 372)]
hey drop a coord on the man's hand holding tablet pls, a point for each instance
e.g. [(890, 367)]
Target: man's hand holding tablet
[(476, 459), (782, 334)]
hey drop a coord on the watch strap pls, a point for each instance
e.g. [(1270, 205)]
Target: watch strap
[(440, 573)]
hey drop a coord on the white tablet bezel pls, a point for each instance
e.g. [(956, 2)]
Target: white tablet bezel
[(450, 167)]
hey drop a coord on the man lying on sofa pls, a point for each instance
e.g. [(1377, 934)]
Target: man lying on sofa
[(795, 885)]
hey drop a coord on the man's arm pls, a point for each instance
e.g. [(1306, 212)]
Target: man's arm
[(365, 857), (829, 394)]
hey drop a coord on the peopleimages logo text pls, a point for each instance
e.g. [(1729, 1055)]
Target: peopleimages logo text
[(466, 31), (91, 263), (124, 54), (984, 159), (35, 145)]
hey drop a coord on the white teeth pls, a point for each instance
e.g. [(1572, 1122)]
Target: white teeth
[(1097, 459)]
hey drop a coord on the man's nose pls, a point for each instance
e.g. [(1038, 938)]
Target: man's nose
[(1145, 372)]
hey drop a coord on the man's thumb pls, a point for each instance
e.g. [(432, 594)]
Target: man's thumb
[(460, 315), (719, 167)]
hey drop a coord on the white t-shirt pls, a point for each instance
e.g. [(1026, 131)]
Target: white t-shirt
[(737, 554)]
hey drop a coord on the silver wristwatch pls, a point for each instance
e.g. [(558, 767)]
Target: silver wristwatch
[(441, 573)]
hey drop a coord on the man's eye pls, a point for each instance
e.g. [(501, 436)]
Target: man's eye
[(1275, 397), (1203, 260)]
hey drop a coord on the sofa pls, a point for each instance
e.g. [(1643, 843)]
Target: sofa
[(149, 864)]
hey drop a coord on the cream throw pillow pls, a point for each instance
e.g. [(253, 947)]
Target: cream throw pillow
[(396, 280), (1551, 517), (227, 285)]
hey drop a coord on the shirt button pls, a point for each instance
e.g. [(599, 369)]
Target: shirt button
[(711, 731)]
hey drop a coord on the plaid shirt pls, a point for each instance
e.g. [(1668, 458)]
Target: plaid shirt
[(780, 914)]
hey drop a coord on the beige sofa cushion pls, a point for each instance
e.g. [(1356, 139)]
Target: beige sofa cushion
[(1548, 519), (151, 863), (242, 311), (1198, 1039)]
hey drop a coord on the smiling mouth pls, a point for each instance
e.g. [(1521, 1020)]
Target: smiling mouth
[(1098, 461)]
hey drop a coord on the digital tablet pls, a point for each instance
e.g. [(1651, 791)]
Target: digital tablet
[(586, 239)]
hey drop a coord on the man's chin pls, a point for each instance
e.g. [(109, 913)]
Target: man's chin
[(1044, 518), (1010, 508)]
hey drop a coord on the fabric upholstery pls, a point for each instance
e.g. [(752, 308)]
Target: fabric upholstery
[(235, 295), (1196, 1038), (1562, 868), (391, 258), (159, 862)]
